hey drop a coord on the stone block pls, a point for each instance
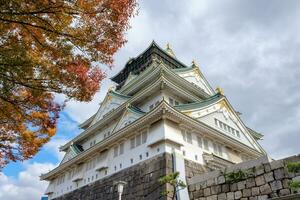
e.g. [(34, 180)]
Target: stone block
[(210, 182), (277, 164), (269, 177), (199, 193), (222, 196), (244, 198), (252, 198), (230, 196), (221, 179), (276, 185), (255, 191), (233, 187), (212, 197), (262, 197), (260, 180), (267, 167), (192, 187), (238, 195), (216, 189), (207, 192), (246, 192), (259, 170), (250, 182), (285, 183), (241, 185), (225, 188), (265, 189), (284, 192), (279, 174)]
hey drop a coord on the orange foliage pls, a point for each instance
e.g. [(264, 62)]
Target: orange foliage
[(48, 47)]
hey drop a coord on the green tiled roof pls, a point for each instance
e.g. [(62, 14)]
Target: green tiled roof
[(200, 104), (183, 69), (136, 109), (255, 134), (119, 95)]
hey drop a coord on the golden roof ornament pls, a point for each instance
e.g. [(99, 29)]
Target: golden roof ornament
[(169, 50), (195, 64), (220, 90), (111, 88)]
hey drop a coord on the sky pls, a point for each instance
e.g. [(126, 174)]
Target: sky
[(249, 48)]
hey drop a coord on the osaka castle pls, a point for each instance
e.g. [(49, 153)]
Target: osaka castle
[(161, 116)]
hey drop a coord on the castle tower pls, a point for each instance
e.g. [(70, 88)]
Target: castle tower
[(162, 116)]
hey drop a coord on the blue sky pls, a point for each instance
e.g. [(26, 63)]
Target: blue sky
[(67, 129), (249, 48)]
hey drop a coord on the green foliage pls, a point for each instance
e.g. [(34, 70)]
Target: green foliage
[(294, 167), (294, 185), (173, 180), (234, 177)]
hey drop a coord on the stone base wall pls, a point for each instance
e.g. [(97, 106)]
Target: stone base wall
[(267, 180), (142, 182)]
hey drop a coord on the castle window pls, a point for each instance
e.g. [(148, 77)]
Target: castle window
[(144, 137), (183, 152), (115, 151), (138, 140), (171, 101), (121, 148), (115, 168), (205, 144), (132, 143), (189, 137), (157, 149), (218, 149), (147, 154), (199, 140), (196, 157), (141, 157), (96, 176), (183, 135), (176, 103), (227, 128), (120, 165), (238, 133), (131, 160)]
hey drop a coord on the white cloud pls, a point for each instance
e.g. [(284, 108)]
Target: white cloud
[(27, 185)]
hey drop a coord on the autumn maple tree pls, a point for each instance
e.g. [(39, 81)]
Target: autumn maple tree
[(49, 47)]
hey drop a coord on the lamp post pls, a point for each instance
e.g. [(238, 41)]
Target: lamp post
[(120, 186)]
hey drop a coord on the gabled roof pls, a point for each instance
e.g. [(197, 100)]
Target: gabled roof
[(208, 101), (139, 63), (195, 67)]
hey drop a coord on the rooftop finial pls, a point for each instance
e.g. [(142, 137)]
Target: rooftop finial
[(111, 88), (220, 90), (194, 63), (169, 50)]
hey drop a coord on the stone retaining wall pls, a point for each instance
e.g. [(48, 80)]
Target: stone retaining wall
[(264, 180), (142, 182)]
